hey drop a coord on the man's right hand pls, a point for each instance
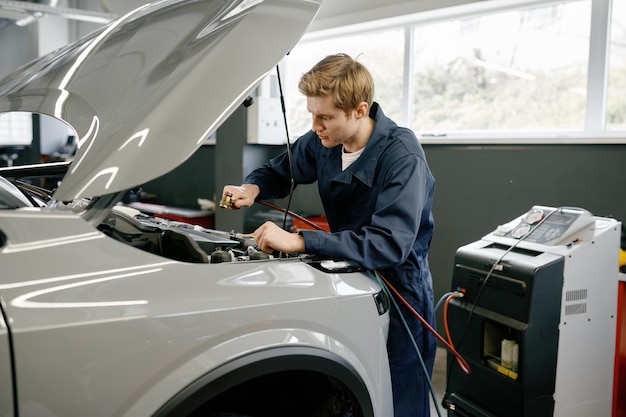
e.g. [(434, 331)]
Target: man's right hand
[(240, 196)]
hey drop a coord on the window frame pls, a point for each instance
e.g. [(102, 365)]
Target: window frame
[(594, 131)]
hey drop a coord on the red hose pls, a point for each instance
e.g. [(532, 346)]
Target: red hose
[(464, 365), (291, 213), (462, 362)]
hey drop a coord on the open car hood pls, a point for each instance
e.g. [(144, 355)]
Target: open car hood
[(145, 91)]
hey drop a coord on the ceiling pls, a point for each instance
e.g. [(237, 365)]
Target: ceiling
[(332, 13)]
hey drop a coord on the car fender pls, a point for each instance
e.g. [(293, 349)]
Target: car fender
[(267, 361)]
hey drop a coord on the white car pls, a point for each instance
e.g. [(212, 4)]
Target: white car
[(106, 311)]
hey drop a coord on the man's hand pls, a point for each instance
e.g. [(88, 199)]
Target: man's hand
[(269, 237), (240, 196)]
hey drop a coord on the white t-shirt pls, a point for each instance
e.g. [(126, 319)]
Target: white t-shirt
[(347, 158)]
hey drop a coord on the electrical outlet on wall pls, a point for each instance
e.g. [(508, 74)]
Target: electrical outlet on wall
[(265, 122)]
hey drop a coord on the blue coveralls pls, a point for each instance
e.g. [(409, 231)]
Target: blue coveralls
[(379, 213)]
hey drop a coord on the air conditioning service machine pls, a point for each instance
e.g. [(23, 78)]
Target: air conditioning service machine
[(539, 321)]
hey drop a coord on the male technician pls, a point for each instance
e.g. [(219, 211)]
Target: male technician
[(377, 193)]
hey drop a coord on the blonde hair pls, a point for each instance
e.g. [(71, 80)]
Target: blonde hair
[(342, 77)]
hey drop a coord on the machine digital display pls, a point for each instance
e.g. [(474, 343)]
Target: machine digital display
[(556, 226), (561, 218)]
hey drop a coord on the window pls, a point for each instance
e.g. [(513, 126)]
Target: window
[(520, 71), (616, 90), (516, 70)]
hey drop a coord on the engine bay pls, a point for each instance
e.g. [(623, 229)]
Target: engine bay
[(178, 240)]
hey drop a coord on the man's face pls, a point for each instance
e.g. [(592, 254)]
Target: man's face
[(332, 125)]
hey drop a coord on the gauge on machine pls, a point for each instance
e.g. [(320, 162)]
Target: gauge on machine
[(520, 231), (534, 216)]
